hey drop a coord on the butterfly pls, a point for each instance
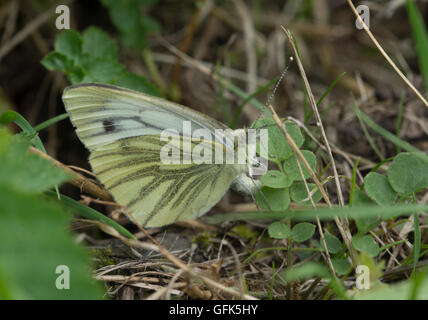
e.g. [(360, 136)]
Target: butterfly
[(124, 131)]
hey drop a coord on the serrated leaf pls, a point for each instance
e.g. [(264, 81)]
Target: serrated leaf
[(275, 179), (103, 70), (291, 168), (278, 148), (277, 199), (300, 195), (379, 189), (132, 23), (69, 43), (98, 44), (366, 244), (408, 173), (302, 231), (278, 230)]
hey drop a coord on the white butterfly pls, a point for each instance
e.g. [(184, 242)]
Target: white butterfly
[(122, 129)]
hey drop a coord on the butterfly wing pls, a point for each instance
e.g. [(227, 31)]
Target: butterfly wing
[(157, 193), (104, 113), (122, 130)]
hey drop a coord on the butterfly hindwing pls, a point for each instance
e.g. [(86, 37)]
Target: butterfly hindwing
[(158, 193)]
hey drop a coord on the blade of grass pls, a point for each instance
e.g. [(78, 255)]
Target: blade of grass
[(410, 258), (368, 136), (417, 241), (243, 95), (272, 281), (400, 117), (89, 213), (386, 212), (238, 111), (386, 134), (14, 116), (50, 122), (330, 87), (226, 113), (353, 182), (421, 38)]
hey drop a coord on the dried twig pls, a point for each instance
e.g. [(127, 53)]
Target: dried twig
[(341, 223), (385, 55), (80, 181), (28, 30)]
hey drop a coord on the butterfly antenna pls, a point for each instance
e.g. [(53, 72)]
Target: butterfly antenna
[(279, 81)]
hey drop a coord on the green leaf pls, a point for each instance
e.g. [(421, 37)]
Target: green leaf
[(131, 21), (341, 266), (379, 189), (55, 61), (97, 43), (275, 179), (137, 83), (93, 57), (103, 70), (277, 199), (278, 148), (88, 213), (300, 195), (361, 199), (364, 223), (278, 230), (398, 291), (34, 243), (24, 171), (305, 271), (421, 38), (408, 173), (386, 134), (69, 43), (333, 244), (366, 244), (291, 168), (302, 231)]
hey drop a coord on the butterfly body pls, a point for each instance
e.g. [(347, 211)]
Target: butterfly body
[(123, 131)]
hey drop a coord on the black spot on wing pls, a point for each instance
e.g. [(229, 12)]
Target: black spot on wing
[(108, 126)]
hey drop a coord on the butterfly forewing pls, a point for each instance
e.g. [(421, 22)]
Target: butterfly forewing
[(103, 113)]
